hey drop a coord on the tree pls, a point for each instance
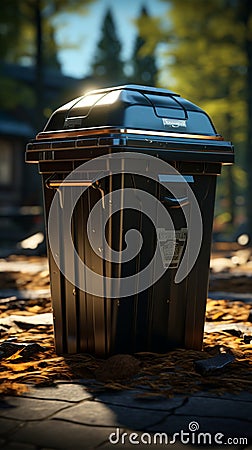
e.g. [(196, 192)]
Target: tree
[(143, 64), (207, 60), (18, 25), (10, 26), (108, 66), (26, 30), (50, 57), (245, 15)]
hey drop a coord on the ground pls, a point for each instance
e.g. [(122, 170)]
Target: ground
[(27, 346)]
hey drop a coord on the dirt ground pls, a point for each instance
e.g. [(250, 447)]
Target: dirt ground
[(27, 347)]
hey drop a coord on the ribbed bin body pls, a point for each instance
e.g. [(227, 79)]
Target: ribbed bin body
[(166, 314)]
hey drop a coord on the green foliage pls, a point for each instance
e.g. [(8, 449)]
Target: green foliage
[(50, 56), (27, 30), (144, 66), (18, 27), (208, 64), (11, 96), (108, 66), (206, 60)]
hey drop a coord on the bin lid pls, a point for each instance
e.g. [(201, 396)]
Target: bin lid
[(130, 116), (132, 106)]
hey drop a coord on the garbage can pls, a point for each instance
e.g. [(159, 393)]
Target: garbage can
[(176, 152)]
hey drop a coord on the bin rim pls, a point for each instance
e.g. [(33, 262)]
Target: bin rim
[(108, 130)]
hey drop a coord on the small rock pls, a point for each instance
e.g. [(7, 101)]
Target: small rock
[(247, 338), (31, 349), (27, 322), (214, 364), (8, 348), (249, 319), (26, 350), (221, 264)]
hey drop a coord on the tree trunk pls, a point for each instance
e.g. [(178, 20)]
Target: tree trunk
[(39, 81), (230, 178), (231, 194), (247, 15)]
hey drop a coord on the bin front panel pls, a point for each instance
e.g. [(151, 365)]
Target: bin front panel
[(163, 316)]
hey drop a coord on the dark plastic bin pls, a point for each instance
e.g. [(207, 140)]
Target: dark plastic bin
[(149, 122)]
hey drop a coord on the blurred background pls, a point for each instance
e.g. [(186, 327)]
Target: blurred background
[(52, 51)]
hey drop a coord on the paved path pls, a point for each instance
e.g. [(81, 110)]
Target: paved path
[(68, 416)]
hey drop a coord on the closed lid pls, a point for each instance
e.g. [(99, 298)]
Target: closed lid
[(132, 106)]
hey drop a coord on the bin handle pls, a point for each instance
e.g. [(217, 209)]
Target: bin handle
[(173, 202), (54, 184)]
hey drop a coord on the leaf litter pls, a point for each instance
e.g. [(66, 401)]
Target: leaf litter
[(153, 374)]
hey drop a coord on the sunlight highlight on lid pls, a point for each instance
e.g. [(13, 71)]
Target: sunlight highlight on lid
[(99, 99)]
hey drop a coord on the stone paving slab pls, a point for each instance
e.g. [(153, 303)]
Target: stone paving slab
[(8, 425), (242, 396), (17, 446), (152, 441), (131, 399), (141, 446), (75, 422), (25, 294), (176, 446), (229, 427), (216, 407), (59, 434), (98, 414), (21, 408), (24, 266), (69, 392), (34, 320)]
